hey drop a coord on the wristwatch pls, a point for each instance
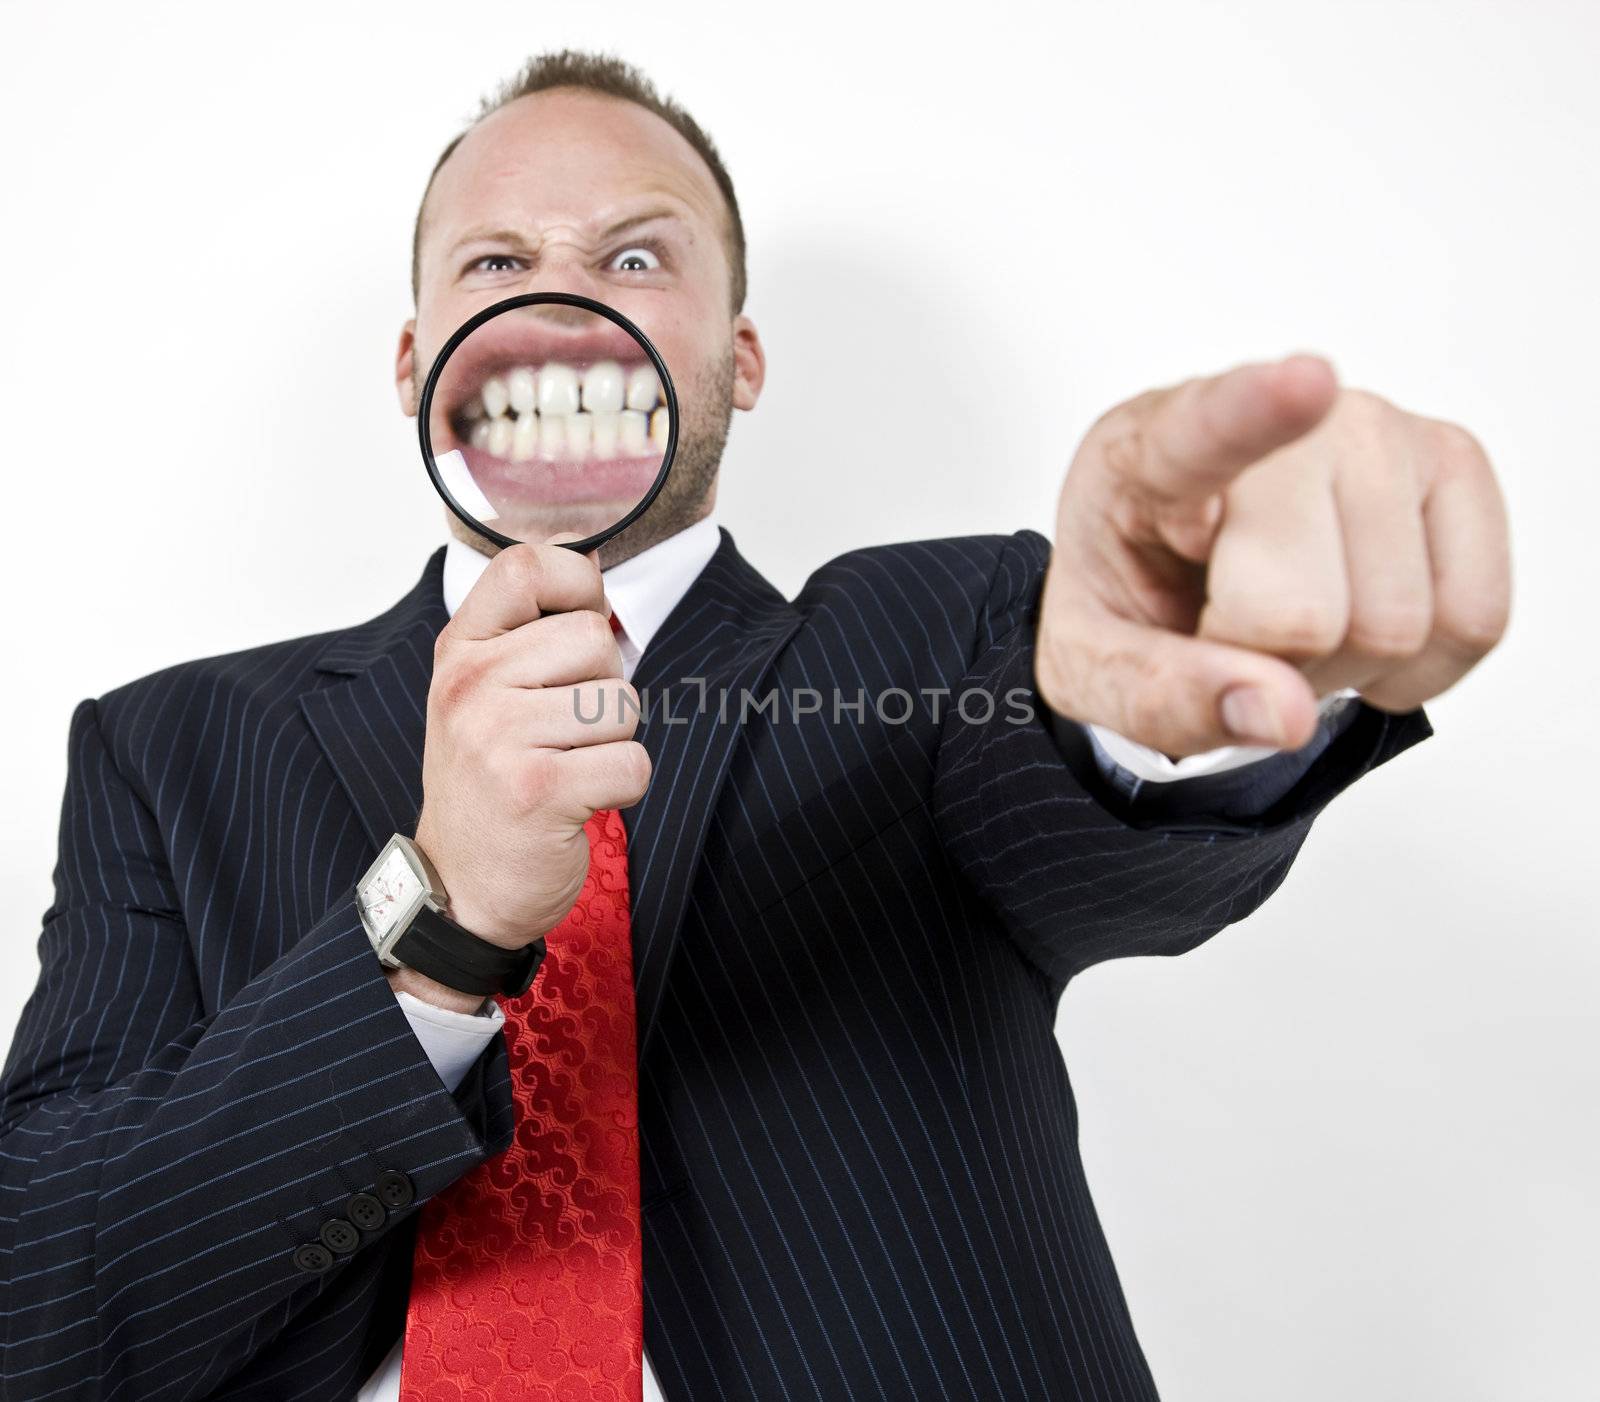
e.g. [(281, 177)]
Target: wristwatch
[(403, 904)]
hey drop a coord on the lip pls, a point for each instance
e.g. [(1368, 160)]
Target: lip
[(519, 487), (517, 338)]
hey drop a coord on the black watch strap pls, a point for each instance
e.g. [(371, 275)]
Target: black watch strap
[(436, 946)]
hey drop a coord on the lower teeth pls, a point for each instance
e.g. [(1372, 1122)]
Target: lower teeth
[(601, 435)]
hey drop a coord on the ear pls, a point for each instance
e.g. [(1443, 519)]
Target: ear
[(405, 363), (749, 363)]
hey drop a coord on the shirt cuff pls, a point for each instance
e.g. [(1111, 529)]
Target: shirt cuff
[(451, 1040), (1113, 751)]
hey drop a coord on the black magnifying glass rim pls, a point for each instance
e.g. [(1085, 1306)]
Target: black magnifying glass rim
[(531, 299)]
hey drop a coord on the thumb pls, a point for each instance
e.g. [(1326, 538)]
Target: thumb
[(1177, 694), (592, 556)]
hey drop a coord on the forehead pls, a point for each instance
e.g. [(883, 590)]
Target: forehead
[(568, 157)]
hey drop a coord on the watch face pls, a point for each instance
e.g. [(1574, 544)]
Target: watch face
[(391, 892)]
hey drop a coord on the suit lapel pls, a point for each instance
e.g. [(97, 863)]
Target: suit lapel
[(717, 643), (715, 646), (371, 723)]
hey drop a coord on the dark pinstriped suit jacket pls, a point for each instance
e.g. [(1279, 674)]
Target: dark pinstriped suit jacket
[(860, 1172)]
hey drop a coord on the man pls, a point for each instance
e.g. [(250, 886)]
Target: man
[(242, 1158)]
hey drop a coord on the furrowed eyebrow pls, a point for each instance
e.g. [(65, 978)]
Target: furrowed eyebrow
[(622, 225), (512, 237), (486, 236)]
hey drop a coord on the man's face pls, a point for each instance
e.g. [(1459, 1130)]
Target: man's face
[(569, 191)]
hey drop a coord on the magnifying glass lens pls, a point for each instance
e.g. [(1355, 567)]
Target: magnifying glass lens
[(547, 417)]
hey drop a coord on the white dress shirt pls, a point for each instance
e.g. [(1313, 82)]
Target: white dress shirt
[(643, 591)]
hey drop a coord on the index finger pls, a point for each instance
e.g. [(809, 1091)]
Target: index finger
[(1201, 434), (524, 582)]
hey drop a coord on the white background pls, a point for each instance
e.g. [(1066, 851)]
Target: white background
[(1348, 1149)]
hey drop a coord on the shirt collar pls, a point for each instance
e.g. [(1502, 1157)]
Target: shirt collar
[(642, 590)]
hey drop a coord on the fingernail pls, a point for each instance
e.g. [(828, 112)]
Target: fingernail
[(1249, 716)]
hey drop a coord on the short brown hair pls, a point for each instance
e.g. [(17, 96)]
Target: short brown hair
[(600, 73)]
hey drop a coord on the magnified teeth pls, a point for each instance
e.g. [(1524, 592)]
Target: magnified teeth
[(580, 435), (561, 413), (643, 388), (495, 397), (603, 386), (632, 432), (558, 389), (604, 435), (524, 438), (522, 389), (552, 435)]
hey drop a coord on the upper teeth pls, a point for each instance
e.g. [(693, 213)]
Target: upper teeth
[(520, 390), (495, 398), (604, 387), (558, 390), (643, 389)]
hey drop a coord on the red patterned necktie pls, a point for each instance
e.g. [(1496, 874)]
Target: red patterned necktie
[(526, 1279)]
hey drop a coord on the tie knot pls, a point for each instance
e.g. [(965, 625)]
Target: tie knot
[(616, 625)]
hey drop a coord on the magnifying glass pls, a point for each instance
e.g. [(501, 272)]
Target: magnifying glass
[(548, 412)]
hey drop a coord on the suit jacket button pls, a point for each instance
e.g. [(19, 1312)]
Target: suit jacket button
[(312, 1257), (339, 1236), (395, 1189), (366, 1212)]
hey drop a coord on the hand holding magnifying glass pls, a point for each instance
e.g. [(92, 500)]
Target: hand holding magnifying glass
[(543, 414)]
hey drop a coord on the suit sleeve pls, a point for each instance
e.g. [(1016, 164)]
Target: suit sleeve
[(1230, 793), (162, 1165), (1074, 870)]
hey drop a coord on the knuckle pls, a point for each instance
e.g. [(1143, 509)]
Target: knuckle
[(1120, 437), (456, 681), (522, 566), (1472, 628), (1291, 627), (1392, 632), (628, 706), (635, 765), (596, 630), (1125, 452), (1365, 406), (1458, 448)]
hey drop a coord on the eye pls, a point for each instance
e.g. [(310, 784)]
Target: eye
[(492, 263), (635, 260)]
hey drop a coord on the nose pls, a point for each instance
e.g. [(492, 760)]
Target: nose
[(561, 268), (557, 315)]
